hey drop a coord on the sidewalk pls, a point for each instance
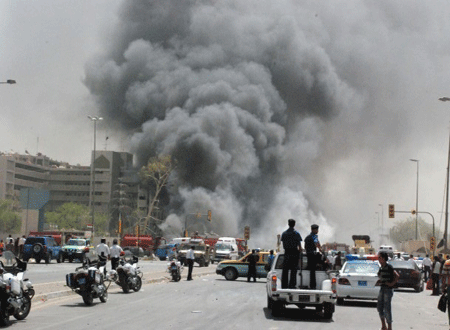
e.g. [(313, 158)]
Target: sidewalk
[(46, 291)]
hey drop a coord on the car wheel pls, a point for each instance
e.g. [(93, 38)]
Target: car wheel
[(48, 258), (269, 302), (60, 259), (38, 260), (340, 301), (277, 308), (328, 311), (230, 274)]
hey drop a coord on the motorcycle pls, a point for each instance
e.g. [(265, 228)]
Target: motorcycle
[(175, 268), (128, 275), (15, 291), (89, 281)]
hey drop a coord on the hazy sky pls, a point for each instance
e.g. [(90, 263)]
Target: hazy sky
[(341, 94)]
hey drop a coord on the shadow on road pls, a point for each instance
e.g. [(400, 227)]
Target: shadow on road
[(297, 314)]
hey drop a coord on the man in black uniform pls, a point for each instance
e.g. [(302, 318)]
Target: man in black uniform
[(311, 244), (292, 250), (252, 261)]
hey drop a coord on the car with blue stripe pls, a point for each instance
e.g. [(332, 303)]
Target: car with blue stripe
[(232, 269)]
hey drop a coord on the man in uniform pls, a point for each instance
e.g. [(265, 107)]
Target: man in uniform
[(103, 252), (190, 257), (292, 251), (115, 254), (311, 245)]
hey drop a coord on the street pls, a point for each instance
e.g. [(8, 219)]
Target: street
[(212, 302)]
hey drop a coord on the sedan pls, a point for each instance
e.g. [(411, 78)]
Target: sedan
[(358, 280), (410, 275)]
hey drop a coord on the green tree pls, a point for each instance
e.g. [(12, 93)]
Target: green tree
[(10, 219), (76, 216), (406, 230)]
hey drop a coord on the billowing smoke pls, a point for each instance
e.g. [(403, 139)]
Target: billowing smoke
[(238, 92)]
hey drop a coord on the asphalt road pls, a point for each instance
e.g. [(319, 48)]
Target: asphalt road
[(211, 302)]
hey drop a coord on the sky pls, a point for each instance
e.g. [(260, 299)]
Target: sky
[(274, 110)]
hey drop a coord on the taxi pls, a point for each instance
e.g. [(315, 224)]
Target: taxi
[(232, 269)]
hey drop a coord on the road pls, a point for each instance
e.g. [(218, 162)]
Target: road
[(211, 302)]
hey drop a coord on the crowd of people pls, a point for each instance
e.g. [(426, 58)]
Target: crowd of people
[(14, 245)]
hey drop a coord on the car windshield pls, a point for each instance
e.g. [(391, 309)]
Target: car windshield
[(361, 268), (222, 247), (75, 242)]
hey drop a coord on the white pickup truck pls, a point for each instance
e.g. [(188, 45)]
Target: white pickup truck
[(323, 298)]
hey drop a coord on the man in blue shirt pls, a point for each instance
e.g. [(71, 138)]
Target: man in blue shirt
[(292, 250), (311, 244)]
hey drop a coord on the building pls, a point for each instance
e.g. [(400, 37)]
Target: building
[(116, 182)]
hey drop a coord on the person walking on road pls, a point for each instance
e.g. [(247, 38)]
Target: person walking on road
[(115, 254), (190, 257), (427, 267), (388, 277), (312, 244), (338, 261), (435, 272), (252, 261), (292, 251)]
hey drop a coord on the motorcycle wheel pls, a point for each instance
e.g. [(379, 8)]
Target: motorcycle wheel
[(4, 317), (138, 285), (124, 285), (104, 297), (23, 312), (88, 298), (179, 277)]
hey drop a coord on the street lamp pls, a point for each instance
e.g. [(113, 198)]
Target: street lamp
[(382, 223), (92, 190), (444, 99), (9, 81), (417, 192)]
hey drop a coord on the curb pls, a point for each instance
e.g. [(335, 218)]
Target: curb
[(43, 297)]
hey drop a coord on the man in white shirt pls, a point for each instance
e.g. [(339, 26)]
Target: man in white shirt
[(115, 254), (190, 261), (426, 267), (103, 251), (435, 276)]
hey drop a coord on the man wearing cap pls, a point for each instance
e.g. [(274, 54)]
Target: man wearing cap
[(311, 245), (292, 250)]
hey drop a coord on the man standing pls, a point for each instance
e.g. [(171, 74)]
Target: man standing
[(115, 254), (103, 252), (252, 260), (435, 273), (21, 244), (190, 257), (292, 251), (388, 277), (311, 244), (427, 267)]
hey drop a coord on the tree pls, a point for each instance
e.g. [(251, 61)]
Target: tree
[(76, 216), (406, 230), (10, 219), (156, 175)]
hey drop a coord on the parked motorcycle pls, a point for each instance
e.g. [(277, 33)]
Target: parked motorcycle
[(15, 291), (175, 268), (128, 275), (89, 281)]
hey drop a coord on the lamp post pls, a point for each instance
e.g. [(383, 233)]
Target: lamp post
[(9, 81), (92, 190), (417, 192), (382, 219), (445, 99)]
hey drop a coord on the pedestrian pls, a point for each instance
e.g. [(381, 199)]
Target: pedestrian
[(387, 277), (252, 260), (312, 244), (190, 257), (115, 252), (435, 271), (292, 252), (330, 260), (21, 244), (9, 239), (427, 267), (103, 252), (16, 246), (270, 259), (2, 246), (446, 284), (338, 261)]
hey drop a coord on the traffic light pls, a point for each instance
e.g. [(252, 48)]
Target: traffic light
[(433, 243), (391, 211), (209, 215), (247, 232), (120, 226)]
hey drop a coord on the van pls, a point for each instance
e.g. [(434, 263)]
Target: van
[(225, 248), (388, 249)]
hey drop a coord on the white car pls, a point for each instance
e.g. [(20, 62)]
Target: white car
[(358, 280)]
